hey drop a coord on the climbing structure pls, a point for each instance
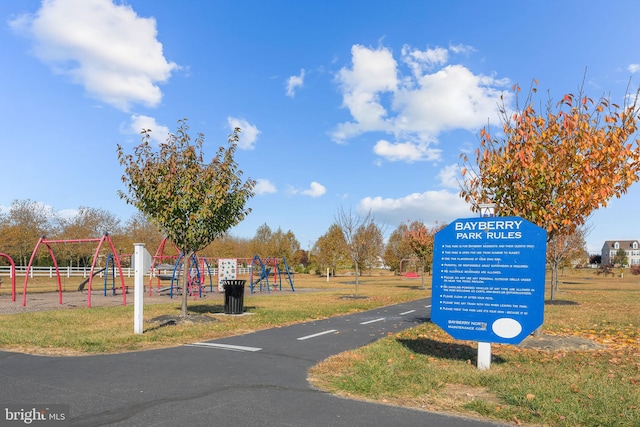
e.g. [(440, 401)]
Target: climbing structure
[(270, 267)]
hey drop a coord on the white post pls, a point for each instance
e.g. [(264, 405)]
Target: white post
[(138, 287), (484, 355), (327, 274), (484, 348)]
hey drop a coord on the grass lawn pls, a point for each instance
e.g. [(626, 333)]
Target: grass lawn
[(421, 367), (110, 329), (425, 368)]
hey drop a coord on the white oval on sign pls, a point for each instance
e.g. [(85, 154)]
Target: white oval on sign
[(506, 327)]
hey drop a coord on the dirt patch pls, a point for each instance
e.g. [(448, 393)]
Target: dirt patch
[(169, 320), (559, 343)]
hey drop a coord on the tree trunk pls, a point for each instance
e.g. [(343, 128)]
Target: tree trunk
[(357, 279), (554, 280), (185, 283)]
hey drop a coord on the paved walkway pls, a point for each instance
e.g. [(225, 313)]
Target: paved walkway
[(257, 379)]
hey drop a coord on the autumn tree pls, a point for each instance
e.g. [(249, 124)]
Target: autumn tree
[(421, 239), (301, 258), (261, 243), (285, 245), (22, 226), (192, 202), (554, 168), (562, 249), (229, 246), (374, 244), (397, 248), (137, 229), (353, 228), (276, 244), (87, 223), (330, 250)]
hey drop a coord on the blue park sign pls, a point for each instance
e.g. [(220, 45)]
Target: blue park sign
[(488, 279)]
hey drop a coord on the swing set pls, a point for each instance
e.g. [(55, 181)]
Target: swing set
[(12, 274), (100, 241)]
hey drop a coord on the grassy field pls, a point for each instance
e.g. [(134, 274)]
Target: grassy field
[(425, 368), (421, 367), (110, 329)]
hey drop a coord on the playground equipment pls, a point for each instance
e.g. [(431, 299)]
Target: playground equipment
[(409, 268), (106, 270), (195, 275), (13, 276), (227, 270), (198, 268), (269, 267), (47, 243), (158, 260)]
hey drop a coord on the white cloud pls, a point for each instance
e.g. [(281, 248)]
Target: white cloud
[(107, 48), (430, 207), (67, 213), (461, 48), (450, 175), (373, 72), (47, 210), (264, 186), (315, 190), (295, 82), (405, 151), (633, 68), (451, 98), (249, 134), (421, 60), (435, 97), (159, 133)]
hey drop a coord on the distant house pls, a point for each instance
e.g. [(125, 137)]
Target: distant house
[(631, 248)]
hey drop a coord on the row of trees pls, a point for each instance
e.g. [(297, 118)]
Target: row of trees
[(26, 221), (352, 242)]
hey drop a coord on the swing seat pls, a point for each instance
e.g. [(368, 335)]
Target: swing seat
[(411, 275)]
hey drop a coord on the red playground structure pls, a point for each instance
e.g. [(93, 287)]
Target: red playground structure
[(47, 243)]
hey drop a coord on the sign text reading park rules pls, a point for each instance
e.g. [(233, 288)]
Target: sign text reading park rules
[(488, 279)]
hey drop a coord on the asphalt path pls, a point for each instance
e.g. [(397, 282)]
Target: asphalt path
[(257, 379)]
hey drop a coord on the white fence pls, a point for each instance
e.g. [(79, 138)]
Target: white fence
[(5, 270)]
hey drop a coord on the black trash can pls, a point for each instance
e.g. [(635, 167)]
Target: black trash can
[(233, 296)]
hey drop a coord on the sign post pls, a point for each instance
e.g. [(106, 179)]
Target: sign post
[(141, 263), (488, 281)]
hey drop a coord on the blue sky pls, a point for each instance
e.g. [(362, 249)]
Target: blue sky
[(361, 105)]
